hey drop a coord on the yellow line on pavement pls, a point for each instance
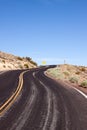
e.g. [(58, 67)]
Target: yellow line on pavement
[(12, 99)]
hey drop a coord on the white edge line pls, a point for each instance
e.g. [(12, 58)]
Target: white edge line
[(81, 92)]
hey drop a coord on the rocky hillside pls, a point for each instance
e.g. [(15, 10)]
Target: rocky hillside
[(9, 61)]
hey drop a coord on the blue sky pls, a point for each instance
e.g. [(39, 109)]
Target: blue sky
[(46, 30)]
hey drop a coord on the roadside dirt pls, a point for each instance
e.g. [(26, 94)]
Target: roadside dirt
[(67, 83)]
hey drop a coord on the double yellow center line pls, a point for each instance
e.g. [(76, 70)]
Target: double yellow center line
[(12, 99)]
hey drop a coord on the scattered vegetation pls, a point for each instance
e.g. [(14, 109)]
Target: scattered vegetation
[(3, 61), (32, 62), (78, 72), (9, 67), (28, 58), (9, 61), (71, 73), (26, 65), (19, 58), (56, 73), (84, 84), (66, 73), (20, 66), (83, 69), (73, 80), (4, 66)]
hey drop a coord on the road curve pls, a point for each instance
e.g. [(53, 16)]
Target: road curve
[(43, 104), (13, 97)]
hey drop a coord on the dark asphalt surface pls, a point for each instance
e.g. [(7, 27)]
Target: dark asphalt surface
[(8, 84), (42, 104)]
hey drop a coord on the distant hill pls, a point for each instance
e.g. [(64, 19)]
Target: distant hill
[(11, 62)]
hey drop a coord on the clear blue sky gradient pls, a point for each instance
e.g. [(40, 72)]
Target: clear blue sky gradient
[(50, 30)]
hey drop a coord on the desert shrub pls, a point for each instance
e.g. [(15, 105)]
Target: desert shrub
[(56, 73), (26, 65), (32, 62), (3, 61), (66, 73), (28, 58), (60, 76), (4, 66), (78, 72), (19, 58), (9, 67), (84, 84), (73, 80), (82, 69), (20, 66)]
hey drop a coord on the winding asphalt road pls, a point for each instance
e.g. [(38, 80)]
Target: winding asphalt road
[(29, 100)]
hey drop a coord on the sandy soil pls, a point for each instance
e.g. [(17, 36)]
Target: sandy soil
[(63, 74)]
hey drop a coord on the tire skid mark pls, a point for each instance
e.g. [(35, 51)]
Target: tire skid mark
[(45, 107), (49, 100), (55, 114), (36, 118), (67, 118), (65, 114), (52, 112), (18, 125)]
